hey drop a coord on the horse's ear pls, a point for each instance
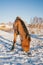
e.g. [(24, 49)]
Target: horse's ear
[(18, 17)]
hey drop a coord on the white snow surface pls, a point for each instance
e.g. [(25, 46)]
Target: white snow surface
[(17, 56)]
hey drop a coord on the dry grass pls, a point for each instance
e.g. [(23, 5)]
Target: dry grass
[(4, 28)]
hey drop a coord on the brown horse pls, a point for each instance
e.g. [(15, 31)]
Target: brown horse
[(20, 28)]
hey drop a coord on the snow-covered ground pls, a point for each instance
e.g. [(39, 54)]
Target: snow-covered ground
[(17, 56)]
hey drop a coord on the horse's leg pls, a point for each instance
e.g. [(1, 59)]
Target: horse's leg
[(14, 41), (13, 45)]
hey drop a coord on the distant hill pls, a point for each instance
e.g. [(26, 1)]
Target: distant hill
[(36, 20), (6, 26), (36, 26)]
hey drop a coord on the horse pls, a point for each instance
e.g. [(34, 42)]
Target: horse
[(21, 29)]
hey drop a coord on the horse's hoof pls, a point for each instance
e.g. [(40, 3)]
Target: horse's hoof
[(29, 54)]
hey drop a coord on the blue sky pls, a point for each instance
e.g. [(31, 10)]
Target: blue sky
[(26, 9)]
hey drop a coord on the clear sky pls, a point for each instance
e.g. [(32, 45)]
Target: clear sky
[(26, 9)]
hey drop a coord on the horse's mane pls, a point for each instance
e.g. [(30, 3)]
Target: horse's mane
[(23, 24)]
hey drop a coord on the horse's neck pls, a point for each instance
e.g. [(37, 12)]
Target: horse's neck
[(21, 30)]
